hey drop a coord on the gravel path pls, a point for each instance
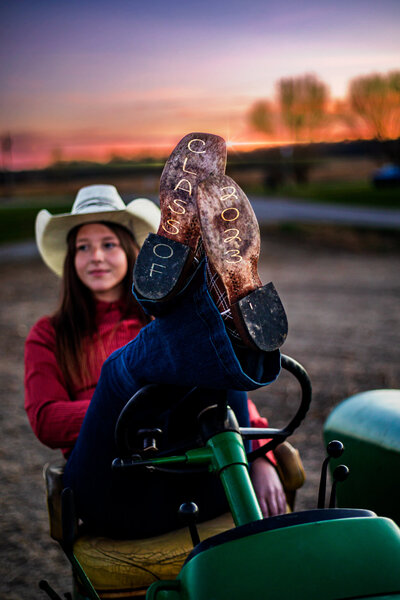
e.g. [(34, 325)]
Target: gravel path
[(344, 312)]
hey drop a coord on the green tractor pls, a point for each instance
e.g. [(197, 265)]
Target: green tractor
[(322, 554)]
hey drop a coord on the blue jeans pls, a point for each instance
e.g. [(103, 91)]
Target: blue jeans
[(186, 345)]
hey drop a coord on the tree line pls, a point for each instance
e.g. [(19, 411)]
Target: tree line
[(303, 109)]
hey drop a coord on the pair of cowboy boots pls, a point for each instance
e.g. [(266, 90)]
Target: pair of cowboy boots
[(203, 210)]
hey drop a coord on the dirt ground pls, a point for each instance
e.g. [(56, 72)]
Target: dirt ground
[(342, 296)]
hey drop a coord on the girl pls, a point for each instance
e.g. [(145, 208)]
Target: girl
[(71, 406)]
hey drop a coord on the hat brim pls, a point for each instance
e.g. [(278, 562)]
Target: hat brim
[(140, 217)]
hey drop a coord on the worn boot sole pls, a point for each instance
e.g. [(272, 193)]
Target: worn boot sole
[(166, 257), (231, 239)]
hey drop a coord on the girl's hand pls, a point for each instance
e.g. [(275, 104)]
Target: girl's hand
[(268, 487)]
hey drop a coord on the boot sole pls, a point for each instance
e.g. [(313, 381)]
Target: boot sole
[(166, 257), (196, 157), (231, 239)]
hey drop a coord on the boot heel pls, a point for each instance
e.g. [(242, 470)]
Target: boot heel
[(261, 318), (160, 266)]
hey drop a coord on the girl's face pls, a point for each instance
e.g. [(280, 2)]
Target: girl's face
[(100, 261)]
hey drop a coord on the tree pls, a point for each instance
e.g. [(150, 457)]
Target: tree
[(262, 116), (6, 150), (303, 104), (376, 99)]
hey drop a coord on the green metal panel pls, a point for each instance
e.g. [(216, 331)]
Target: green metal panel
[(391, 597), (368, 424), (347, 558)]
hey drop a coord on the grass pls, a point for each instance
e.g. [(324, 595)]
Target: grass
[(351, 193), (17, 223)]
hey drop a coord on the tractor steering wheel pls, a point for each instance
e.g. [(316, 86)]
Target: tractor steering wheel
[(146, 414)]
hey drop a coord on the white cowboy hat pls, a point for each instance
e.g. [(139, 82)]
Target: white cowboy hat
[(93, 203)]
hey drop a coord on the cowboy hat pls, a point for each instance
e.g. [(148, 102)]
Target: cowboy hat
[(93, 203)]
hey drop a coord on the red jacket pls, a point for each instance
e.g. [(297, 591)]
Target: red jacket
[(55, 415)]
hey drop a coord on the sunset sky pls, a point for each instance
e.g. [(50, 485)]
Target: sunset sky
[(96, 77)]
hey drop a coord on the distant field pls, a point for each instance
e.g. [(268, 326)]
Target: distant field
[(18, 223)]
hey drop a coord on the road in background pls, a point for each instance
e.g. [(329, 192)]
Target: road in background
[(272, 211), (285, 210)]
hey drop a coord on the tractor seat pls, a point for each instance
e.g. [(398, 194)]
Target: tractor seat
[(126, 568), (133, 565)]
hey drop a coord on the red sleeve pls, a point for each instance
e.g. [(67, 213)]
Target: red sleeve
[(54, 417), (256, 420)]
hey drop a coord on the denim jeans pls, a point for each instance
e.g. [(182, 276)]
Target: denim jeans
[(186, 346)]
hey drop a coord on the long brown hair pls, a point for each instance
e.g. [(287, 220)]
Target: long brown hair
[(75, 318)]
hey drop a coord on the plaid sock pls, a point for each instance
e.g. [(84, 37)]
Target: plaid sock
[(199, 253), (219, 296)]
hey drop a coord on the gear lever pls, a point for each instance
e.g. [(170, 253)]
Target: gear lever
[(335, 449)]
